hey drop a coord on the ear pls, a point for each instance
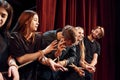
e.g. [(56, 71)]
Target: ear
[(92, 30)]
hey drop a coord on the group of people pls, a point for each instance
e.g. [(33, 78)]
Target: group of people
[(61, 54)]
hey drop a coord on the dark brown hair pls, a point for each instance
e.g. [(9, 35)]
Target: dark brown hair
[(4, 4), (69, 33)]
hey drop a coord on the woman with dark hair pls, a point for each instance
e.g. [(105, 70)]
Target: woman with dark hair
[(6, 13)]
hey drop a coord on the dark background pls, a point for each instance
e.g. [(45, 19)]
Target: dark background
[(20, 5)]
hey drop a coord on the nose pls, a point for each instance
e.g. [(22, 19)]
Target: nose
[(0, 19), (37, 23)]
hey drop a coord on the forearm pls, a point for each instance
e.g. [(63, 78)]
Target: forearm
[(94, 61), (29, 57), (44, 60)]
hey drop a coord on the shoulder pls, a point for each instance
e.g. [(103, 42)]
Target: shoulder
[(38, 36), (97, 43), (49, 32), (16, 36)]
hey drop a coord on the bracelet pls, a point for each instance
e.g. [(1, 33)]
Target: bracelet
[(41, 55), (13, 65)]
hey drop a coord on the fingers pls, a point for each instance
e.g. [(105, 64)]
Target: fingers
[(1, 77), (9, 72), (14, 73), (54, 44)]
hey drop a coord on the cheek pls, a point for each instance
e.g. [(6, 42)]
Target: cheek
[(4, 20)]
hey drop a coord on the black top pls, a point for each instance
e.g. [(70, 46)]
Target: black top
[(19, 47), (3, 51), (48, 37), (69, 54), (45, 73), (78, 53), (90, 49)]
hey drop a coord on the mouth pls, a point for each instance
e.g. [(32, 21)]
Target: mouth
[(0, 22)]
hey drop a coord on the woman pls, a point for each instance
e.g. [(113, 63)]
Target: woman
[(26, 46), (6, 13)]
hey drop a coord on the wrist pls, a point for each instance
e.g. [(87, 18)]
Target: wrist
[(12, 62), (13, 65), (58, 53)]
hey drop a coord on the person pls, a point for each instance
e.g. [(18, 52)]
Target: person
[(6, 13), (65, 37), (74, 72), (92, 50), (50, 36), (26, 46)]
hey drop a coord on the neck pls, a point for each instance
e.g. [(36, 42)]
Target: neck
[(91, 38), (28, 36)]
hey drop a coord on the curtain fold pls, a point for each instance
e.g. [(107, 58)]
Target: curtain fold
[(55, 14)]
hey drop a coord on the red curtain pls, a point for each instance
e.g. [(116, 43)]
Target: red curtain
[(55, 14)]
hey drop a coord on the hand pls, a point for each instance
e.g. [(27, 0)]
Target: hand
[(79, 70), (13, 71), (60, 48), (90, 69), (61, 45), (55, 66), (1, 77), (63, 63), (50, 47)]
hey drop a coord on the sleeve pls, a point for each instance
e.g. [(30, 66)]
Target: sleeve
[(98, 48), (15, 47), (70, 55)]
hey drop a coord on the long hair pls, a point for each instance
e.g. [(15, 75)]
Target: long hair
[(4, 4), (21, 25), (26, 16)]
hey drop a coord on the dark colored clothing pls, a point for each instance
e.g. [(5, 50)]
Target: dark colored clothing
[(72, 74), (19, 47), (4, 53), (78, 55), (44, 72), (68, 54), (91, 48), (48, 37)]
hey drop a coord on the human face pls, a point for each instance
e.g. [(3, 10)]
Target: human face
[(59, 35), (96, 33), (80, 34), (3, 16), (67, 42), (34, 23)]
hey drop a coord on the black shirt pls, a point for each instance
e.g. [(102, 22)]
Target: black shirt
[(3, 51), (20, 46), (90, 49)]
